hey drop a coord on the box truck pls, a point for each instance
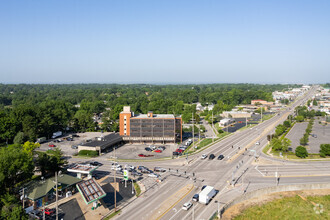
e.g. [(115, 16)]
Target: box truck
[(41, 140), (57, 134), (207, 194)]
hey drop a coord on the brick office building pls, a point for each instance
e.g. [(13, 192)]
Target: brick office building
[(149, 128)]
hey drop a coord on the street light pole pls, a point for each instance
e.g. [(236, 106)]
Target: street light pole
[(115, 180), (56, 180), (212, 128)]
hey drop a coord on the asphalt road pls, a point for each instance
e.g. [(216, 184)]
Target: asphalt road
[(237, 167)]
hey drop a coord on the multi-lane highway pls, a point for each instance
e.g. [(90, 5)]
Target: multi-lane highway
[(237, 173)]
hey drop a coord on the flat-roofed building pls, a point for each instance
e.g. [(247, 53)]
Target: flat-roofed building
[(163, 128)]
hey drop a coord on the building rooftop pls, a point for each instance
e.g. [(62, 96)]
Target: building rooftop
[(106, 140), (154, 116), (90, 191), (40, 188)]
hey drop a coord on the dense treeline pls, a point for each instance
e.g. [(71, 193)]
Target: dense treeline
[(39, 110)]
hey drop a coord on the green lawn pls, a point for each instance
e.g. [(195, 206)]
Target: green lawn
[(137, 189), (289, 208)]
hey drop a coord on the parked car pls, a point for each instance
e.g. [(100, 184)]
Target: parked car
[(52, 145), (35, 214), (203, 187), (159, 169), (148, 149), (142, 167), (187, 206), (158, 151), (204, 156), (75, 135), (119, 172), (48, 211), (195, 197), (211, 157), (220, 157), (69, 139), (176, 153), (257, 143), (162, 147), (74, 147), (144, 155)]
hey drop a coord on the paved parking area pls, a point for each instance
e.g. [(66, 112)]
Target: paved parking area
[(296, 133), (323, 136), (65, 145), (131, 151)]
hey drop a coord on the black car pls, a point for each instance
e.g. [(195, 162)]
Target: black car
[(195, 197), (146, 171), (95, 163), (211, 157), (148, 149), (220, 157), (203, 187)]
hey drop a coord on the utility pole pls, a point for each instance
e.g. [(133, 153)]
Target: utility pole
[(115, 180), (261, 114), (23, 197), (212, 128), (193, 132), (56, 180)]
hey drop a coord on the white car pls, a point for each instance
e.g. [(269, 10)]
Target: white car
[(257, 143), (155, 175), (187, 206), (204, 156)]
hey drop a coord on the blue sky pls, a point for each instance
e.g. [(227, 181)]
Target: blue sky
[(164, 41)]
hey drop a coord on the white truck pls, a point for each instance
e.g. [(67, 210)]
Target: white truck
[(207, 194), (57, 134), (41, 140)]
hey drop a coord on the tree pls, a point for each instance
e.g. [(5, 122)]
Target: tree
[(287, 124), (29, 147), (16, 165), (314, 102), (276, 144), (300, 118), (11, 209), (19, 138), (303, 140), (286, 143), (301, 152), (325, 149)]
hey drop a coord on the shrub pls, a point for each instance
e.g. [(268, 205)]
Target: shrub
[(325, 149), (90, 153), (301, 152)]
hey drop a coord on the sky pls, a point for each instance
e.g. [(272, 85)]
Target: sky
[(165, 41)]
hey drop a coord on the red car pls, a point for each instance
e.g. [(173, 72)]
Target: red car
[(179, 150), (49, 211), (158, 151), (51, 145)]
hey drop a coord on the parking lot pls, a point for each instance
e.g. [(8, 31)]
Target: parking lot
[(322, 136), (132, 151), (66, 146), (296, 132)]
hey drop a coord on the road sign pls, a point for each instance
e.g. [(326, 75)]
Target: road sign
[(125, 174)]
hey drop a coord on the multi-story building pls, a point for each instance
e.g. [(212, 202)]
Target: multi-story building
[(149, 128)]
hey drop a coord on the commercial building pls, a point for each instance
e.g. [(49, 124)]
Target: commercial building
[(149, 128), (261, 102), (101, 144), (236, 114)]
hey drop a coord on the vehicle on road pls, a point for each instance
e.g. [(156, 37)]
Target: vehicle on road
[(195, 197), (95, 163), (204, 156), (154, 175), (220, 157), (135, 173), (211, 157), (159, 169), (147, 171), (257, 143), (52, 145), (207, 194), (187, 206)]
